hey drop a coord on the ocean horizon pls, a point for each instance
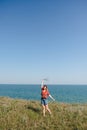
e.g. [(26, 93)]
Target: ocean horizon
[(61, 93)]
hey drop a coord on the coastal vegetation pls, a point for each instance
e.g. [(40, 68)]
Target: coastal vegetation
[(20, 114)]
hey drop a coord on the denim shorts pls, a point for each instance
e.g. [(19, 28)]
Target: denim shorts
[(44, 101)]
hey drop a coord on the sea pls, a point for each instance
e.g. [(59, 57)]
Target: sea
[(61, 93)]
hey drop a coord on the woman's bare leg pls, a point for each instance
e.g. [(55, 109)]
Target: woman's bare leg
[(43, 107), (47, 108)]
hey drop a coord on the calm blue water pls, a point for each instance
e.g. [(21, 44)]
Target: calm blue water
[(62, 93)]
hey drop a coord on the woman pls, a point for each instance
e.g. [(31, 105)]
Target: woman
[(44, 95)]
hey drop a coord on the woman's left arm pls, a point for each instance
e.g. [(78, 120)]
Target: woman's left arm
[(51, 97)]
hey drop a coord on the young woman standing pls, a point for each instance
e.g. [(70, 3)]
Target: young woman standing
[(44, 101)]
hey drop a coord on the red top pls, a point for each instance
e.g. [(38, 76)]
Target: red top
[(45, 93)]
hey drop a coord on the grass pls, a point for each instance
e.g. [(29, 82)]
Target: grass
[(18, 114)]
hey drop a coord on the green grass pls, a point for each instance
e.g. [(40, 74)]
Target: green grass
[(18, 114)]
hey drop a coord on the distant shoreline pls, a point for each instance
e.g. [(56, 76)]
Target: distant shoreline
[(37, 84)]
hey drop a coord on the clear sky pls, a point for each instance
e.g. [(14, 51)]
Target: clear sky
[(43, 39)]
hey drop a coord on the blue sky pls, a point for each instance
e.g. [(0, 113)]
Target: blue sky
[(43, 39)]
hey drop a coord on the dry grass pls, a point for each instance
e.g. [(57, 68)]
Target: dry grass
[(16, 114)]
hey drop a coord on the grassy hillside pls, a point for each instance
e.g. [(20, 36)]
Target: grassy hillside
[(16, 114)]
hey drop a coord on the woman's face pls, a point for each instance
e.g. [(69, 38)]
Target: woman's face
[(45, 88)]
